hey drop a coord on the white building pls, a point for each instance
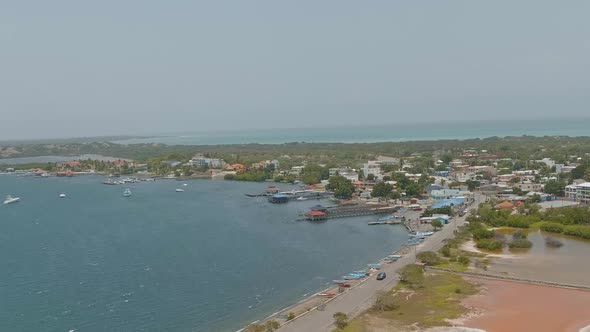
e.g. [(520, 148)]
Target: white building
[(561, 168), (578, 192), (463, 176), (352, 176), (296, 170), (547, 161), (373, 167), (273, 162), (202, 161), (446, 193), (339, 170)]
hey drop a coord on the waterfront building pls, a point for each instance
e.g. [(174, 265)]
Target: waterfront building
[(202, 161)]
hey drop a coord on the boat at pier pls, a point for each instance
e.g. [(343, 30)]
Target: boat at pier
[(9, 200), (386, 218), (420, 234)]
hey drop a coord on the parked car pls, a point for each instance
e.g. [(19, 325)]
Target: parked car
[(381, 276)]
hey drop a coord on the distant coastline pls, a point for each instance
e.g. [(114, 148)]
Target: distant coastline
[(574, 127)]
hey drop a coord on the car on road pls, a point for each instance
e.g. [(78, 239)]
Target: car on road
[(381, 276)]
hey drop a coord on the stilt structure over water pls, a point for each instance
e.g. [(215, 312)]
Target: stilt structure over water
[(346, 211)]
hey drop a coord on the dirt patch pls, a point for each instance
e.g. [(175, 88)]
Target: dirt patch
[(510, 306)]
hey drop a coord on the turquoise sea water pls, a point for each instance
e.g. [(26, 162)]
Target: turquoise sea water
[(382, 133), (208, 259)]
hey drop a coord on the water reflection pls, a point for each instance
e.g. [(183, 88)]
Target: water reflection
[(566, 264)]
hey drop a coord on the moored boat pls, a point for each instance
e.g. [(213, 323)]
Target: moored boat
[(10, 199), (62, 195), (127, 192), (179, 190)]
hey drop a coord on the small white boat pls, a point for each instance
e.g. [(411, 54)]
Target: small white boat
[(179, 190), (301, 198), (62, 195), (184, 184), (127, 192), (10, 199)]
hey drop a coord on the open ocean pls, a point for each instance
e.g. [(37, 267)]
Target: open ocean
[(208, 259), (381, 133)]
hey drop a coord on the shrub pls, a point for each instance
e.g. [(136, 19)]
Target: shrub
[(290, 316), (518, 235), (412, 275), (385, 302), (445, 251), (428, 258), (520, 243), (340, 320), (551, 227), (482, 233), (577, 230), (463, 260), (489, 244)]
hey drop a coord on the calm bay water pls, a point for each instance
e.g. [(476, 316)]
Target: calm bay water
[(208, 259), (381, 133)]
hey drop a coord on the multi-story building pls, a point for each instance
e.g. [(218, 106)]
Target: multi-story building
[(578, 192), (373, 167)]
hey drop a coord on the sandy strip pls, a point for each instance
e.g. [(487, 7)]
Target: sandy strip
[(511, 306)]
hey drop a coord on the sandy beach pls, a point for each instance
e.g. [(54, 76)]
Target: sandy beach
[(510, 306)]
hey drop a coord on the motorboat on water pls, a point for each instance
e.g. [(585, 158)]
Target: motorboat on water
[(127, 192), (301, 198), (10, 199), (184, 184), (179, 190), (62, 195)]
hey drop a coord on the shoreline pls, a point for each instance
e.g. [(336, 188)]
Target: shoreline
[(331, 289)]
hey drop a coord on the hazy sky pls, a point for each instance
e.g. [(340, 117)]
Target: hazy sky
[(82, 68)]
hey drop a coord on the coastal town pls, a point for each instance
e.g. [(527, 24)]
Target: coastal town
[(460, 209)]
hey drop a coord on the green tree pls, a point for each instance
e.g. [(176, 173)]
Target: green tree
[(382, 189), (290, 316), (340, 320), (436, 224), (554, 187), (342, 187), (428, 258), (412, 275), (385, 302)]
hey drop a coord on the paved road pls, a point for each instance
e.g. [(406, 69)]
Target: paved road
[(363, 296)]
